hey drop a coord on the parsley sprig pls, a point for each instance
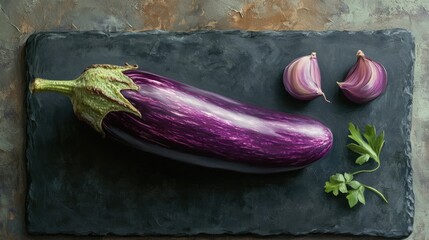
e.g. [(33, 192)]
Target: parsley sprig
[(369, 148)]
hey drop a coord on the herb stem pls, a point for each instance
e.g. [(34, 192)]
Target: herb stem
[(367, 170), (376, 191)]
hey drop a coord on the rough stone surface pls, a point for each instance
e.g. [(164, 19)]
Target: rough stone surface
[(82, 184), (20, 18)]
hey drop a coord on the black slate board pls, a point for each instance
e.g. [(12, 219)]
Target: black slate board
[(80, 183)]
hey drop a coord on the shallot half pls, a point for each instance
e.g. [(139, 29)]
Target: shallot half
[(366, 80), (301, 78)]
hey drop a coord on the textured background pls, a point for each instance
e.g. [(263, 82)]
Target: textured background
[(20, 18)]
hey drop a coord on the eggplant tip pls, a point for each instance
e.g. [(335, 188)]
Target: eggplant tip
[(33, 85)]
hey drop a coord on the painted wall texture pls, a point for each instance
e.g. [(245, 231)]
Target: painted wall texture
[(20, 18)]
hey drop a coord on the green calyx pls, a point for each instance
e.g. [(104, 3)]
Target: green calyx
[(95, 93)]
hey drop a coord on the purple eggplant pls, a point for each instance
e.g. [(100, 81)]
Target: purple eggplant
[(178, 121)]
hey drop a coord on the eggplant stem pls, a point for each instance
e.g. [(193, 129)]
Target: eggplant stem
[(43, 85)]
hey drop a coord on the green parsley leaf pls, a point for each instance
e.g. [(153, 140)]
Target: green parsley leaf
[(348, 177), (356, 195), (337, 183), (337, 178), (379, 142), (354, 184), (357, 148), (362, 159), (354, 133), (370, 135), (370, 144)]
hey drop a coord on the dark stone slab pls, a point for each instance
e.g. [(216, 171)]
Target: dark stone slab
[(80, 183)]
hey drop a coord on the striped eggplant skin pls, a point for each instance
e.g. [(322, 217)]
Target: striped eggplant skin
[(187, 119)]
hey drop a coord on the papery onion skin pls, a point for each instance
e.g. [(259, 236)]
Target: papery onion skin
[(302, 79), (365, 81)]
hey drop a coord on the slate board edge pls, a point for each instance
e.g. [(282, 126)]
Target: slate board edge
[(407, 129), (33, 37)]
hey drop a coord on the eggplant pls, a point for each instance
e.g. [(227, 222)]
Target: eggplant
[(184, 123)]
